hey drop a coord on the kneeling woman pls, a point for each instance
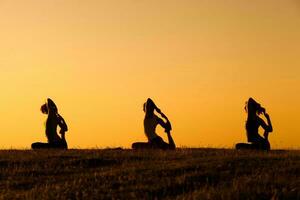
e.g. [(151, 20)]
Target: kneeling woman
[(253, 123), (53, 120), (150, 123)]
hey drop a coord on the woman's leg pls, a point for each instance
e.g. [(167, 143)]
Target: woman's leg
[(63, 144), (244, 146), (265, 145), (158, 143), (261, 143), (59, 145), (142, 145), (257, 143), (40, 145), (171, 141)]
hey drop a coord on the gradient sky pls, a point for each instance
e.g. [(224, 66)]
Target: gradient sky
[(100, 59)]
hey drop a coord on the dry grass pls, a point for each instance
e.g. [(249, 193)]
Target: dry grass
[(127, 174)]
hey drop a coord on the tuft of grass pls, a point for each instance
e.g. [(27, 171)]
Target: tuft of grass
[(149, 174)]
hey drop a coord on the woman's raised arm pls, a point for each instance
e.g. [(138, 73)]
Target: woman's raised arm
[(62, 124), (51, 106)]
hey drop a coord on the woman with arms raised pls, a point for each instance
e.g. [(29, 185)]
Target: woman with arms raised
[(150, 123), (253, 123), (53, 120)]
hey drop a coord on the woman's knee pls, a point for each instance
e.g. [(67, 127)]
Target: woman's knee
[(141, 145), (39, 145), (137, 145), (34, 145), (134, 145)]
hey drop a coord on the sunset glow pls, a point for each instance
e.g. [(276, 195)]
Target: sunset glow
[(99, 60)]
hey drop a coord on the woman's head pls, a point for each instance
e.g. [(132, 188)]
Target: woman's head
[(49, 107), (252, 107), (44, 109), (150, 106)]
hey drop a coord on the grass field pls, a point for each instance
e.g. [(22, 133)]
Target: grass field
[(127, 174)]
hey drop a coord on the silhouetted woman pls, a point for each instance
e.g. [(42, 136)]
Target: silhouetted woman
[(53, 120), (150, 123), (253, 123)]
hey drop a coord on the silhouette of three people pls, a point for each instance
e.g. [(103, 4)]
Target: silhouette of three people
[(253, 123), (53, 120), (151, 121)]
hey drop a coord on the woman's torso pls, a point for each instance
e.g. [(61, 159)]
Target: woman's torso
[(150, 123), (252, 126), (51, 129)]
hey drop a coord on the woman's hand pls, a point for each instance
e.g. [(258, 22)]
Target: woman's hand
[(168, 127), (158, 110), (62, 131), (164, 116), (269, 126), (266, 115)]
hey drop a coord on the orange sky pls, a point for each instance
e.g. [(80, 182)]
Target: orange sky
[(100, 59)]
